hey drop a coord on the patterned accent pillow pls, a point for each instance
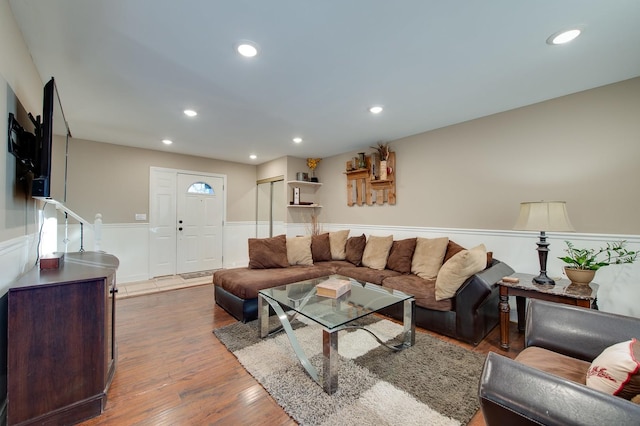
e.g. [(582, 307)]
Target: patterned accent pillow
[(354, 249), (616, 370), (267, 253), (299, 251)]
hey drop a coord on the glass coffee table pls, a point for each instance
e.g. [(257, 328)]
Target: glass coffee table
[(333, 314)]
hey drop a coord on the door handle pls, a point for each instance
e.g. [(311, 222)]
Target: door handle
[(180, 229)]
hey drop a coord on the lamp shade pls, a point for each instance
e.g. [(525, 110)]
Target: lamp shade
[(544, 216)]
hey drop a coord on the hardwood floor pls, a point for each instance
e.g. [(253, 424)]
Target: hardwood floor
[(172, 370)]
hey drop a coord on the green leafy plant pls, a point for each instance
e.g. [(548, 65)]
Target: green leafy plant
[(614, 253)]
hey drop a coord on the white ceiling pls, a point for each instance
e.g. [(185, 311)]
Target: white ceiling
[(125, 69)]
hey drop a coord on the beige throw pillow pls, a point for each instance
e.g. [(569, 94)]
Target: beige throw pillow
[(299, 251), (457, 269), (376, 252), (338, 243), (427, 257)]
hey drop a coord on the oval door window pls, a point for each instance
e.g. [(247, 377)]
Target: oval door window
[(201, 188)]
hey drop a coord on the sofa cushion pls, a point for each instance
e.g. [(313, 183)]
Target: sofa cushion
[(554, 363), (334, 265), (457, 269), (363, 273), (245, 283), (422, 290), (427, 257), (401, 255), (299, 251), (338, 243), (376, 252), (268, 252), (354, 249), (320, 247), (616, 370)]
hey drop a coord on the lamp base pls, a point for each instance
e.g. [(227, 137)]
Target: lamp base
[(543, 279)]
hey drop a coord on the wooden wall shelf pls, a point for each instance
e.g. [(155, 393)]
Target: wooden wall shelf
[(364, 189)]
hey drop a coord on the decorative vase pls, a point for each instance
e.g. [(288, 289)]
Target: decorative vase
[(361, 161), (579, 276), (383, 170)]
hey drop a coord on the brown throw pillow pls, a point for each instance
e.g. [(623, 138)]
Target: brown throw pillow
[(401, 254), (354, 249), (452, 249), (267, 253), (320, 247)]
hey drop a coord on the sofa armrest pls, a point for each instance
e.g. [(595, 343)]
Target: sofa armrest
[(576, 332), (515, 394), (474, 291)]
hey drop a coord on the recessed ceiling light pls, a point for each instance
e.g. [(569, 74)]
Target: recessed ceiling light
[(297, 140), (375, 109), (190, 113), (248, 49), (167, 141), (253, 156), (563, 37)]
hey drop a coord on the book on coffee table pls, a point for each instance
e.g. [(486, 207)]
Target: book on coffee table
[(333, 287)]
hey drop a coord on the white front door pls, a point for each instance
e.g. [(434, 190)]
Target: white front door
[(198, 245), (200, 206)]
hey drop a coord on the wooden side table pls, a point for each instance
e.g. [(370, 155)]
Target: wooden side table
[(562, 292)]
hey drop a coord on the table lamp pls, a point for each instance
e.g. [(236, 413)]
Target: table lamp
[(543, 216)]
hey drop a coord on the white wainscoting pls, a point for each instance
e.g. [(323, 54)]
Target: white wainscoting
[(129, 242), (619, 284), (17, 256)]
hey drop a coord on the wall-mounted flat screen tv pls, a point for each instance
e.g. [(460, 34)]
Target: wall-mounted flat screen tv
[(33, 149)]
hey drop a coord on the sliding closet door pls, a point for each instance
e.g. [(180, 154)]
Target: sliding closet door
[(270, 207)]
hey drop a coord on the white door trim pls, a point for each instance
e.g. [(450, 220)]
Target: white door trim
[(170, 269)]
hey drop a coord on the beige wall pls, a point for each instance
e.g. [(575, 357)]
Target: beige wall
[(19, 84), (114, 180), (582, 148)]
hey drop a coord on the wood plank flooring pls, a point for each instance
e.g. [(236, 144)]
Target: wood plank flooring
[(172, 370)]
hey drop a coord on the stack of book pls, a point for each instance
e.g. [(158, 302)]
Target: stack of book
[(333, 287)]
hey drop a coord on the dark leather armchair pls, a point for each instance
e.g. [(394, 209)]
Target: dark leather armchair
[(516, 394)]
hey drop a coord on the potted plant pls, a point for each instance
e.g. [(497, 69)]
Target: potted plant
[(583, 263), (383, 153), (312, 163)]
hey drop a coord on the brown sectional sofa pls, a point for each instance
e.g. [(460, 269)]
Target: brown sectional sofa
[(468, 315)]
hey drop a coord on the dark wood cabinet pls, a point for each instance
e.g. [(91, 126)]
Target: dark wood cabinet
[(61, 341)]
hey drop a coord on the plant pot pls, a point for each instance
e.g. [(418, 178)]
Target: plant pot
[(579, 276)]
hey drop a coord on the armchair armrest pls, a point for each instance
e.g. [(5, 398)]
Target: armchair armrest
[(576, 332), (515, 394)]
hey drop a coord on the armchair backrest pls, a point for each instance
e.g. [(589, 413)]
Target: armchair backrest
[(576, 332)]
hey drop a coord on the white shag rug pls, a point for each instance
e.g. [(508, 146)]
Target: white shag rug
[(431, 383)]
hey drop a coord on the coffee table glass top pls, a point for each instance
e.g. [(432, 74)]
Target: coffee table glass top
[(363, 299)]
